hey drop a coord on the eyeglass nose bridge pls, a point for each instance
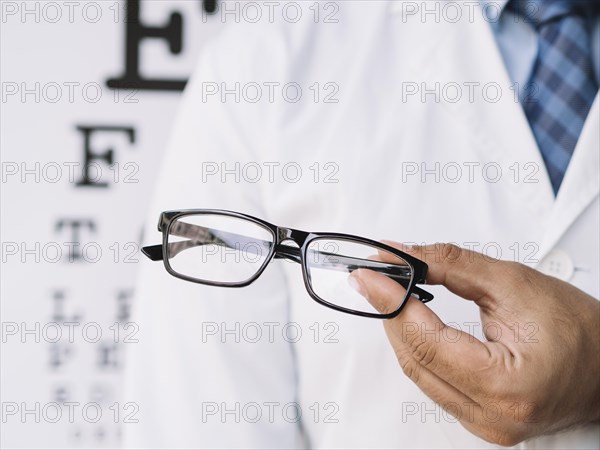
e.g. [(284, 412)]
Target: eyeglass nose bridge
[(285, 234)]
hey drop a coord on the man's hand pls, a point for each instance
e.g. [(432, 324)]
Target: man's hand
[(538, 371)]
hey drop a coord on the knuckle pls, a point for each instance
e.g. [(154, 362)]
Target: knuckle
[(509, 427), (505, 436), (521, 274), (451, 252), (410, 367), (528, 412), (424, 352)]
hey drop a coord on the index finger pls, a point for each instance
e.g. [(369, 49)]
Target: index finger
[(464, 272)]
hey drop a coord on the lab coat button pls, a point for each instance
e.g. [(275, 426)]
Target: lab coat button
[(558, 264)]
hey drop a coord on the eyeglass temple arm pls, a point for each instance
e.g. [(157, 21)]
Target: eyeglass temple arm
[(199, 235)]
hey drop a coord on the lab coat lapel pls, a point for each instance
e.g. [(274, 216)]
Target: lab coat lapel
[(466, 52), (461, 52), (581, 183)]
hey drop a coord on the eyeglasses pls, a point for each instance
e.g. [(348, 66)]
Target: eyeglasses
[(230, 249)]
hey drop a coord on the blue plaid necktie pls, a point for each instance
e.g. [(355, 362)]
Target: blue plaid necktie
[(562, 79)]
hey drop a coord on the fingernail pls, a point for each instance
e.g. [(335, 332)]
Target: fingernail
[(356, 284)]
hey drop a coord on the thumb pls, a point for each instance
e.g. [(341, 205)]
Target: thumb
[(418, 334), (387, 296)]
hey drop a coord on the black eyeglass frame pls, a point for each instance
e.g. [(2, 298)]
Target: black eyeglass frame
[(303, 239)]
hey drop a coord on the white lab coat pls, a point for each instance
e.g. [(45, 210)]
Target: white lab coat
[(342, 367)]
